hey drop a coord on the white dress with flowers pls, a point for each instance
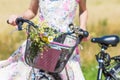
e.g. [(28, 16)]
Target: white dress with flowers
[(15, 68), (59, 14), (54, 13)]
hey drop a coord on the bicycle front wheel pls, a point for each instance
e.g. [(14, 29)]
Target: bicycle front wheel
[(41, 75)]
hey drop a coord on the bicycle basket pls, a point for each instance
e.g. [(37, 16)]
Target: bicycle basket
[(55, 57)]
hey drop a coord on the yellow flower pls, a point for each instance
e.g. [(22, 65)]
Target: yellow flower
[(45, 39)]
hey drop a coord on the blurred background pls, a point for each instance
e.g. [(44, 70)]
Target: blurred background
[(104, 19)]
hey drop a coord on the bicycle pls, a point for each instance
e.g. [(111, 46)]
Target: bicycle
[(108, 66), (60, 52)]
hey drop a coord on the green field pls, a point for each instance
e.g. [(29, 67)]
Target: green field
[(103, 19)]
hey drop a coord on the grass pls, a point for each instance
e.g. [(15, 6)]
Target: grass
[(104, 19), (92, 71)]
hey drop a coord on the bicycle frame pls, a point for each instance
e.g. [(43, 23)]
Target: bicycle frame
[(104, 60), (100, 57)]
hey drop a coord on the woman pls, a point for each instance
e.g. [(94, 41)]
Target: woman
[(57, 14)]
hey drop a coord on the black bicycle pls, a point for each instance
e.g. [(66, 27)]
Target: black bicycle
[(48, 65), (108, 66)]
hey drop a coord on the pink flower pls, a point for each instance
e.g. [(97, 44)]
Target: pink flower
[(66, 5)]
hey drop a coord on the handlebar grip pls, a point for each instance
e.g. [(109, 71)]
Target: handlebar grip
[(85, 34), (8, 22), (19, 22)]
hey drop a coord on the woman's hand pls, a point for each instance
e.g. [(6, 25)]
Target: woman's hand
[(86, 38), (12, 20)]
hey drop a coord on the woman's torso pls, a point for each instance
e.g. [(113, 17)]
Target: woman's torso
[(57, 13)]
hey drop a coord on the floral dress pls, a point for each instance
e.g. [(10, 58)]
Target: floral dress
[(57, 14), (14, 68)]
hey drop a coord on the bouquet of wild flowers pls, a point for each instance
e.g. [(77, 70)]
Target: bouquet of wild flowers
[(40, 38)]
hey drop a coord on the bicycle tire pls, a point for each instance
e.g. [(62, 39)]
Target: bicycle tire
[(52, 77), (56, 76), (44, 76)]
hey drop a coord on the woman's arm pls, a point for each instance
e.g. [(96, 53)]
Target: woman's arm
[(83, 14), (30, 13)]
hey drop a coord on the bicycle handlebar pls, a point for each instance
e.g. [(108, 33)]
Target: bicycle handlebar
[(20, 21), (78, 31)]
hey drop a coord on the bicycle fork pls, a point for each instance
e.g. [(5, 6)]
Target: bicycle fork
[(33, 74), (100, 70), (100, 60)]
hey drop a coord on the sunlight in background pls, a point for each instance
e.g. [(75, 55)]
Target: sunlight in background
[(104, 19)]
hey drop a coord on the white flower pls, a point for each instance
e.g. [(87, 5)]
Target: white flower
[(50, 38)]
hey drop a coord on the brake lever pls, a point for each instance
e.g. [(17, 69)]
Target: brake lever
[(78, 31), (14, 30)]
